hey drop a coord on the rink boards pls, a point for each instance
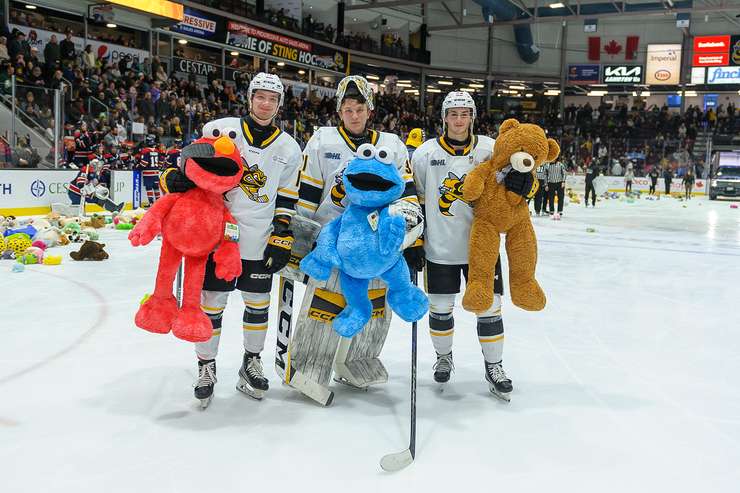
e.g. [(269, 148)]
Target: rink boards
[(26, 192), (642, 184)]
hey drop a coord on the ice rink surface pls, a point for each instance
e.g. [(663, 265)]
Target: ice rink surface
[(627, 381)]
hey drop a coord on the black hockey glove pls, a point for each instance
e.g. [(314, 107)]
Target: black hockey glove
[(279, 245), (415, 256), (174, 180), (522, 184)]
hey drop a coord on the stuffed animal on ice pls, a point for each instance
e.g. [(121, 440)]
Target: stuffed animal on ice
[(192, 224), (365, 243), (522, 147)]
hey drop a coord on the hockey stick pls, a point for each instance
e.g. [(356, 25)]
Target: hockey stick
[(178, 285), (399, 460)]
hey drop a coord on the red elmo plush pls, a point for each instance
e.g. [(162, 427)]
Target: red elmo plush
[(192, 226)]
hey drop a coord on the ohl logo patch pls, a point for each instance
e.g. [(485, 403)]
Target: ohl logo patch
[(451, 191), (252, 181)]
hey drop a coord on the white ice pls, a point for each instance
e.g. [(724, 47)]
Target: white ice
[(627, 381)]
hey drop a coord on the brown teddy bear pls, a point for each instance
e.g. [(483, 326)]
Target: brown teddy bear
[(495, 210), (90, 250)]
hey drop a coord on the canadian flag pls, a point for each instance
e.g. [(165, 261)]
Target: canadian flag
[(613, 47)]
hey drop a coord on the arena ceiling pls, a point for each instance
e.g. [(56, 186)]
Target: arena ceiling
[(444, 15)]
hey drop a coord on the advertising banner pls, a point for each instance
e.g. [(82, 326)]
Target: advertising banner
[(32, 191), (735, 50), (622, 74), (642, 184), (723, 75), (712, 44), (108, 52), (710, 60), (663, 65), (583, 74), (698, 75), (264, 42), (200, 24)]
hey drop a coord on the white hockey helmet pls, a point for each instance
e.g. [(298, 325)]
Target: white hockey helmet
[(363, 88), (266, 82), (458, 99)]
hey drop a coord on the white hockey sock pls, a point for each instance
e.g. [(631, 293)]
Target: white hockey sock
[(212, 303), (256, 314), (491, 332), (441, 328), (491, 337)]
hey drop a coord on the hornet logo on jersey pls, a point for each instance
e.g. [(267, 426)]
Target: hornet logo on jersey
[(254, 179), (337, 191), (450, 191)]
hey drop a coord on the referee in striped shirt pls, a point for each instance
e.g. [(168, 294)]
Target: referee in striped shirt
[(555, 173)]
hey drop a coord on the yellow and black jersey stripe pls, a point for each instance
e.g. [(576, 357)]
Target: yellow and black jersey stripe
[(374, 136), (250, 139), (458, 152)]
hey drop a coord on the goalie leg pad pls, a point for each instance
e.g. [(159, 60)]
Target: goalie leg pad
[(357, 361)]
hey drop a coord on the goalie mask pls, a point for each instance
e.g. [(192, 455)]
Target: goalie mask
[(355, 86)]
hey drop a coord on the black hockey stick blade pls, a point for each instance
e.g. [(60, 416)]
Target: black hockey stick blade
[(396, 462)]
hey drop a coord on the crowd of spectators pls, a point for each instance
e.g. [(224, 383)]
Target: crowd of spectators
[(147, 97)]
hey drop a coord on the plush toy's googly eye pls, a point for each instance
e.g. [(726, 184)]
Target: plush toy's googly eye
[(383, 154), (230, 133), (366, 151), (216, 132)]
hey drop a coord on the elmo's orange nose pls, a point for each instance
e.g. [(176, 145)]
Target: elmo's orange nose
[(224, 146)]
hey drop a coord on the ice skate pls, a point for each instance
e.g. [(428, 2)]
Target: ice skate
[(442, 369), (252, 379), (498, 383), (206, 381)]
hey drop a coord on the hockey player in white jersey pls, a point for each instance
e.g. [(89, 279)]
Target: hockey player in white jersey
[(440, 166), (330, 149), (263, 205), (322, 198)]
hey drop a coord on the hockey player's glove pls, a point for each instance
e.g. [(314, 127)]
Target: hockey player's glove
[(415, 256), (522, 184), (279, 245), (174, 180)]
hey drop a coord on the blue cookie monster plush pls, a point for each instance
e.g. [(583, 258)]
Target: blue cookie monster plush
[(364, 243)]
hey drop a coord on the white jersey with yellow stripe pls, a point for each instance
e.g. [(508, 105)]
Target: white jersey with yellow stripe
[(439, 173), (322, 196), (269, 186)]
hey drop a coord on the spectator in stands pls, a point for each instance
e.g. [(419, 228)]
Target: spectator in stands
[(52, 53), (88, 60), (67, 49), (4, 55)]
